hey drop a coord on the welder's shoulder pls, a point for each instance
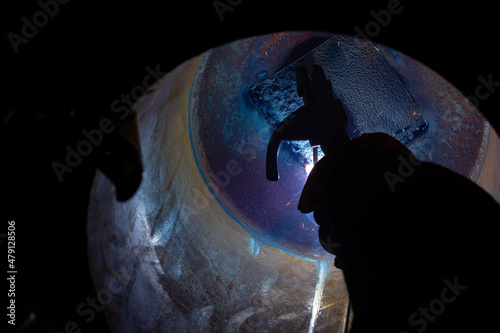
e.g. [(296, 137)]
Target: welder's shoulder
[(440, 187)]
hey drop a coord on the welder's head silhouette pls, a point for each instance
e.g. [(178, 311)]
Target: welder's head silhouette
[(403, 231)]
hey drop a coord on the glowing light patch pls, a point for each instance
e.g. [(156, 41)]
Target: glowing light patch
[(309, 168)]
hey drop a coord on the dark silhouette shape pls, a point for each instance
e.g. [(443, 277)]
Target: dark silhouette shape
[(322, 119), (417, 243)]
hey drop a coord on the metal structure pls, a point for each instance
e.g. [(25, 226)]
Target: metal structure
[(208, 244)]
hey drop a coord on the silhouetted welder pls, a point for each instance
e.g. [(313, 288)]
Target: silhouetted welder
[(417, 243)]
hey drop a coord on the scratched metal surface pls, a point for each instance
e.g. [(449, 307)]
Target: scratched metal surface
[(207, 244)]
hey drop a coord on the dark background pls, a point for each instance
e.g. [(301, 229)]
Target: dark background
[(65, 77)]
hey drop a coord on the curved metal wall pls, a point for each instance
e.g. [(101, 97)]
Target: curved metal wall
[(207, 243)]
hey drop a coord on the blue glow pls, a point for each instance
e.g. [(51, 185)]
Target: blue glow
[(254, 246)]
